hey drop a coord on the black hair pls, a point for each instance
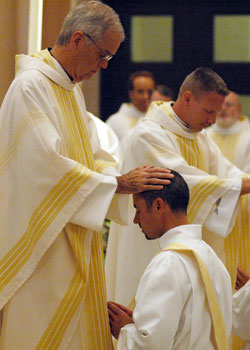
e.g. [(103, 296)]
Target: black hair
[(176, 194)]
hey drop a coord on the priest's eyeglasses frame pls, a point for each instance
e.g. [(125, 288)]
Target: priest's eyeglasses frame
[(103, 56)]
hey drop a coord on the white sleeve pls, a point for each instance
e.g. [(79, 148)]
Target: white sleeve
[(94, 208), (158, 309), (102, 203), (241, 312)]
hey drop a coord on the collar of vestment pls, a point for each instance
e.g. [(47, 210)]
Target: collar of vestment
[(163, 114), (131, 110), (180, 234), (239, 126), (47, 65)]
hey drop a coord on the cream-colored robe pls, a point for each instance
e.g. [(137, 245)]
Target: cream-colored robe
[(214, 185), (52, 198), (234, 142), (107, 137), (124, 119)]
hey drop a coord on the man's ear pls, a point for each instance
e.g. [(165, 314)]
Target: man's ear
[(187, 96), (159, 204), (76, 38)]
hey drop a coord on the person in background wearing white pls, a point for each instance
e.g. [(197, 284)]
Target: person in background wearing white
[(231, 132), (140, 87)]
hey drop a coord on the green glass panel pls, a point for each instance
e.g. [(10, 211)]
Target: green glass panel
[(245, 101), (232, 39), (152, 39)]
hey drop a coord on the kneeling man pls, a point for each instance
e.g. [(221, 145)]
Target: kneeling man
[(184, 298)]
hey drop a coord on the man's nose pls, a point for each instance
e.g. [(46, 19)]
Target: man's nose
[(146, 95)]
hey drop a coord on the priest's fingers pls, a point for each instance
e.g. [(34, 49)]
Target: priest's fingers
[(243, 274), (117, 318), (123, 308), (143, 179), (152, 168), (242, 278), (114, 309)]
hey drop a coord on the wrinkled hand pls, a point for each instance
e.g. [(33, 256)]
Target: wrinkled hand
[(241, 278), (119, 316), (143, 178)]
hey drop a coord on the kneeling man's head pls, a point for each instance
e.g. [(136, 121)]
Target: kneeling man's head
[(159, 211)]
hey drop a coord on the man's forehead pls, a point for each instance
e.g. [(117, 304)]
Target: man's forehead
[(137, 198), (210, 98), (232, 99), (143, 81)]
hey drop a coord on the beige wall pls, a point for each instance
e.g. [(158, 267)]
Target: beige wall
[(53, 16), (22, 26), (8, 44), (13, 38)]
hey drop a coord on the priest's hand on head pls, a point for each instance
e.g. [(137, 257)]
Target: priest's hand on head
[(143, 178), (119, 316)]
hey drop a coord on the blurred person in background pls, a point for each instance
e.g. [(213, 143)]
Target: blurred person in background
[(231, 132), (140, 87), (162, 93)]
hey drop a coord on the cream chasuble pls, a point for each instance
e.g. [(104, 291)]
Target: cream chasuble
[(125, 119), (52, 280), (214, 184), (234, 142)]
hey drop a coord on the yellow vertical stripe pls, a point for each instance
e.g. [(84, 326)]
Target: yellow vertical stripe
[(191, 152), (96, 315), (227, 144)]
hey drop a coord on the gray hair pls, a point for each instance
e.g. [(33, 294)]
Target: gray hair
[(93, 18), (203, 80)]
